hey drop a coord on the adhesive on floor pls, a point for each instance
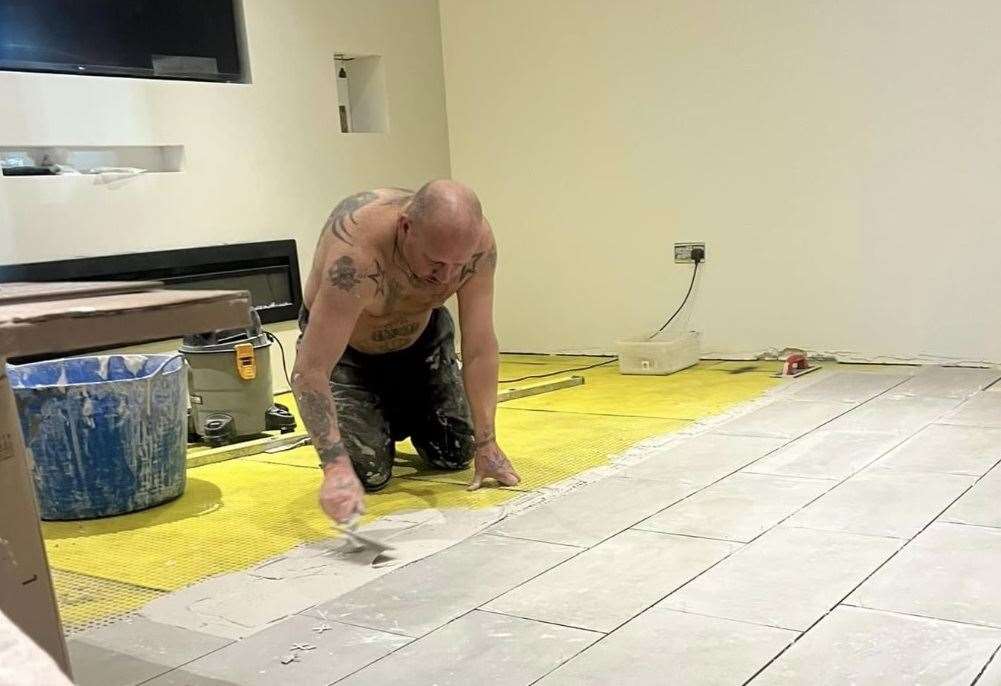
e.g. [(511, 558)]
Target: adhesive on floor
[(237, 513)]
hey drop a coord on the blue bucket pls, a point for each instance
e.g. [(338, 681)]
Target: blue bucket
[(107, 434)]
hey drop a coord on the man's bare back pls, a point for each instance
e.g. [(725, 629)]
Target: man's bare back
[(363, 231)]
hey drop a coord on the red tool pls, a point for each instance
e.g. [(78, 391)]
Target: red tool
[(797, 365)]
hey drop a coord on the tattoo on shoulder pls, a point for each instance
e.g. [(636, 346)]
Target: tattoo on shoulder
[(469, 268), (345, 212), (344, 274)]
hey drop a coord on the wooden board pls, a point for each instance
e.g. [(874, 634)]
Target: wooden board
[(54, 326), (21, 292)]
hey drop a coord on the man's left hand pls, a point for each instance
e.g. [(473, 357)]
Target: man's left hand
[(490, 462)]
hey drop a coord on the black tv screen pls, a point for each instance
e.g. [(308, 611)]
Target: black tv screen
[(171, 39)]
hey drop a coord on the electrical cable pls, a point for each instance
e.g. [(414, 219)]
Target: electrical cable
[(697, 256), (683, 302), (558, 372), (274, 338)]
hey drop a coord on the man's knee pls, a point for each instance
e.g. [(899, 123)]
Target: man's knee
[(372, 459), (448, 445)]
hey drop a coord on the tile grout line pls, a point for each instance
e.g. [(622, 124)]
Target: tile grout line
[(737, 549), (185, 664), (534, 619), (637, 527), (867, 577), (986, 665), (414, 640), (916, 615)]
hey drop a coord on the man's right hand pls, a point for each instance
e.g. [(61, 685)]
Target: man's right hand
[(341, 495)]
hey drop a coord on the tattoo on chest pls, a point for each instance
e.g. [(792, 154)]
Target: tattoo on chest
[(344, 274), (388, 333), (394, 291), (345, 212)]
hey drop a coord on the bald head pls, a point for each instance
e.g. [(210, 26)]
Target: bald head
[(446, 207), (441, 229)]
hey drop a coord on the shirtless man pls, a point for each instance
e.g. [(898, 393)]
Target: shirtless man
[(376, 359)]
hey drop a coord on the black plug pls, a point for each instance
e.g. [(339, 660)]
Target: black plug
[(698, 255)]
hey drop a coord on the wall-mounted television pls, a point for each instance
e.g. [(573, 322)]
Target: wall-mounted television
[(197, 40)]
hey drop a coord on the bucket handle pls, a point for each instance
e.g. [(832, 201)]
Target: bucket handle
[(149, 386)]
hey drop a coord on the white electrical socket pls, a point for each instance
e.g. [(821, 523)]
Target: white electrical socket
[(683, 252)]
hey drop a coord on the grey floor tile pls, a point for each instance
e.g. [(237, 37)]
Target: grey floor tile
[(785, 418), (849, 387), (230, 605), (614, 581), (883, 503), (594, 512), (947, 449), (335, 653), (179, 677), (826, 454), (981, 505), (703, 459), (478, 648), (96, 666), (667, 647), (983, 409), (950, 571), (133, 650), (787, 578), (895, 413), (426, 594), (739, 508), (855, 646), (948, 382)]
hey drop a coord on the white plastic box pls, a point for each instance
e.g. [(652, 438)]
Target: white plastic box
[(659, 356)]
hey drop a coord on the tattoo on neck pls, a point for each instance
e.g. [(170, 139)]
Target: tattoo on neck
[(401, 262), (344, 274)]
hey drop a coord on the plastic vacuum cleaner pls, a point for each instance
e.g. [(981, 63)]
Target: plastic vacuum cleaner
[(229, 385)]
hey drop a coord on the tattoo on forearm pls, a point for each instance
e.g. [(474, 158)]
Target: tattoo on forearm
[(345, 212), (491, 259), (331, 452), (344, 274), (485, 435), (317, 412), (395, 331)]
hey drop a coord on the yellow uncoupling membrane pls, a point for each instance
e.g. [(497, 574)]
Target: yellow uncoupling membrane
[(240, 512)]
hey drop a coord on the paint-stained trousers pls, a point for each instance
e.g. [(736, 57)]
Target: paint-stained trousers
[(414, 393)]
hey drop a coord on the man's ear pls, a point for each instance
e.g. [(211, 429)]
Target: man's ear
[(403, 223)]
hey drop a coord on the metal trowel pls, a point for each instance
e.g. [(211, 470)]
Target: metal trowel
[(361, 541)]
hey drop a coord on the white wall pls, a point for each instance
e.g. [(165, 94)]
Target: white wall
[(841, 160), (262, 161)]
